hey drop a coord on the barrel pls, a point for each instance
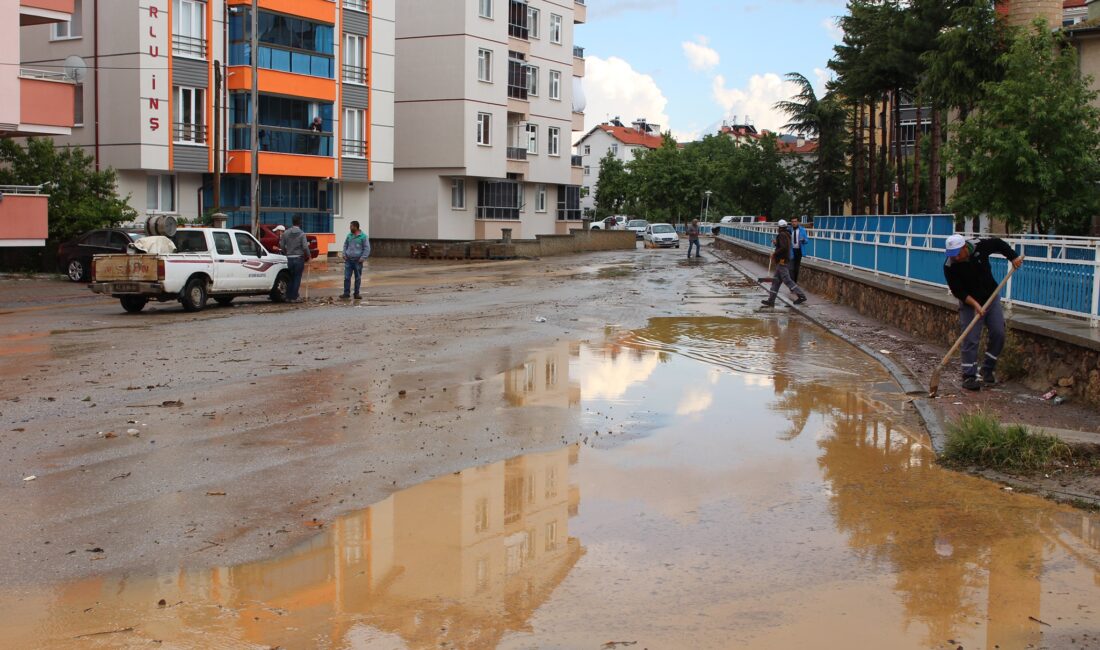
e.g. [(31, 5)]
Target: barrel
[(160, 224)]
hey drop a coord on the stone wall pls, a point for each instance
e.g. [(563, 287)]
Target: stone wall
[(1037, 355), (578, 241)]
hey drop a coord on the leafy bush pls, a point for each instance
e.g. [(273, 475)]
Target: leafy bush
[(980, 440)]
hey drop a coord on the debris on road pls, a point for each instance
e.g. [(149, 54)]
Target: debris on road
[(29, 478)]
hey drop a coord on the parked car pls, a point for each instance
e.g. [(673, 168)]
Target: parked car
[(74, 257), (737, 219), (208, 263), (638, 226), (270, 239), (614, 222), (661, 235)]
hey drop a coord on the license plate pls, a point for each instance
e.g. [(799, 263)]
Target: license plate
[(124, 287)]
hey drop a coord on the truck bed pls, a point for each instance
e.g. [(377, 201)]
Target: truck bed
[(133, 268)]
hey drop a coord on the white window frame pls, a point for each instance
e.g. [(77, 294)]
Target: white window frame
[(532, 81), (555, 29), (485, 129), (186, 99), (64, 31), (355, 48), (356, 5), (154, 199), (355, 130), (533, 16), (555, 85), (540, 198), (188, 29), (587, 170), (587, 149), (484, 65), (532, 138), (485, 9), (553, 141), (615, 149), (458, 193)]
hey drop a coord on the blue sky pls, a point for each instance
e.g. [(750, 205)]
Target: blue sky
[(689, 64)]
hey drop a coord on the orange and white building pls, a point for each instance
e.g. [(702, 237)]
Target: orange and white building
[(35, 102), (615, 137), (146, 103)]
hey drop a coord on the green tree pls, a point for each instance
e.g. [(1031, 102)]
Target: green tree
[(80, 198), (1031, 149), (821, 182), (613, 189)]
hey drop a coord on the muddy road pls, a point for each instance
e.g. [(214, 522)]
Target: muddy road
[(584, 452)]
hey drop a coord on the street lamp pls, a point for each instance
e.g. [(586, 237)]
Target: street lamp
[(706, 215)]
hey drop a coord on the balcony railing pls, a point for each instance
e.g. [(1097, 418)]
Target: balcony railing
[(355, 148), (283, 140), (189, 46), (46, 75), (578, 52), (185, 133), (355, 74), (27, 190), (517, 153)]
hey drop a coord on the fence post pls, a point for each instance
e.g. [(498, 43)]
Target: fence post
[(1095, 320), (908, 253)]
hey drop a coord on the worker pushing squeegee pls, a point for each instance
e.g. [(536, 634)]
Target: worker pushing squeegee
[(970, 278)]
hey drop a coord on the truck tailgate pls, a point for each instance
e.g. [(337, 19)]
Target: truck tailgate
[(135, 268)]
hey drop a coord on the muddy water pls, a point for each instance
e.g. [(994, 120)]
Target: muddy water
[(743, 484)]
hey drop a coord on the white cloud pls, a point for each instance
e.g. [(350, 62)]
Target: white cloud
[(614, 88), (699, 55), (833, 28), (757, 101)]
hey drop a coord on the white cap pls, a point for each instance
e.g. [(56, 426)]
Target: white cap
[(954, 244), (782, 223), (279, 227)]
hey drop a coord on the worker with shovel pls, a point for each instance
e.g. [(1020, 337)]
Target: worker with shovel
[(970, 279)]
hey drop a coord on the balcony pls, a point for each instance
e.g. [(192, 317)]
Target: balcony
[(277, 139), (517, 161), (45, 103), (41, 12), (580, 12), (323, 11), (578, 121), (289, 84), (517, 20), (281, 164), (24, 216), (576, 161)]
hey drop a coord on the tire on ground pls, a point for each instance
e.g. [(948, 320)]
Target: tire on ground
[(194, 295), (280, 288), (133, 304)]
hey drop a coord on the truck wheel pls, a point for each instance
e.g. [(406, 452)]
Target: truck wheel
[(133, 304), (279, 289), (194, 295), (223, 300), (76, 271)]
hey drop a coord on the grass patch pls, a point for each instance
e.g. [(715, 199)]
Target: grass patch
[(980, 440)]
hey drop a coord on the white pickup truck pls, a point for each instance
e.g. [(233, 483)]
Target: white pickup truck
[(208, 263)]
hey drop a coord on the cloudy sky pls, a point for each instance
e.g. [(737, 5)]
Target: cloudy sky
[(689, 64)]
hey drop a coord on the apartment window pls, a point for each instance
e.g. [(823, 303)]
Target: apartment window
[(458, 193), (287, 44), (485, 8), (555, 29), (355, 66), (78, 105), (189, 28), (553, 141), (532, 22), (532, 81), (355, 140), (532, 138), (190, 113), (357, 5), (587, 149), (551, 536), (587, 170), (540, 198), (485, 65), (71, 28), (569, 203), (484, 128), (615, 149), (555, 84), (499, 200), (160, 195)]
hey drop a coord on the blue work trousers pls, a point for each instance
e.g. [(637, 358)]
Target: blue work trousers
[(353, 268), (296, 265), (994, 322), (693, 243)]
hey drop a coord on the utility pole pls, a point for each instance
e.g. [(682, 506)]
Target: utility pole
[(217, 137), (254, 49)]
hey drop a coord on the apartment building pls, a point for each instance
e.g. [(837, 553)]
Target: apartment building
[(615, 137), (325, 109), (35, 102), (488, 96)]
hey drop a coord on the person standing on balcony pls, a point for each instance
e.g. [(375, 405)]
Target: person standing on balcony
[(356, 249), (781, 257), (970, 279), (318, 126), (693, 237), (798, 242), (295, 246)]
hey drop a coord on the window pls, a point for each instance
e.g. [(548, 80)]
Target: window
[(190, 241), (287, 44), (484, 128), (532, 81), (458, 193), (555, 84), (499, 199), (569, 203), (189, 28), (532, 22), (190, 107), (160, 193), (222, 244), (540, 198), (615, 149), (553, 141), (485, 65), (555, 29), (485, 8), (551, 536), (78, 105), (532, 138), (587, 149), (355, 140), (246, 245), (71, 28), (357, 5), (587, 170), (481, 516), (355, 66)]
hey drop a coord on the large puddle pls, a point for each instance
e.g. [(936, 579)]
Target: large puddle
[(744, 484)]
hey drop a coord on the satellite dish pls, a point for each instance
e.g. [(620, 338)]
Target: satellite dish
[(75, 68)]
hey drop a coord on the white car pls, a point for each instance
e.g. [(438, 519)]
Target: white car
[(638, 226), (613, 222), (661, 235)]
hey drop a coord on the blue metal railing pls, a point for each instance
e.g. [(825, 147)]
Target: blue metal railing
[(1062, 274)]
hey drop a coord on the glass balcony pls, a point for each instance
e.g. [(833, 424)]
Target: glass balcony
[(274, 139)]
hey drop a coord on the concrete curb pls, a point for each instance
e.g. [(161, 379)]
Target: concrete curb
[(901, 374)]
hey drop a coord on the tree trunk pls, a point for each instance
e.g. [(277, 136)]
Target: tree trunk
[(901, 203), (884, 182), (916, 160), (934, 185), (857, 154), (872, 157)]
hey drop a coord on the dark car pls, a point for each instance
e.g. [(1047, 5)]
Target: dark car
[(270, 239), (74, 257)]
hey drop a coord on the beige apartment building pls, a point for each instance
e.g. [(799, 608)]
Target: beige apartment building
[(147, 94), (488, 97)]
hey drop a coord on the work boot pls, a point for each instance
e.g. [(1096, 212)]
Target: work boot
[(344, 296), (971, 383), (801, 299), (768, 303), (988, 378), (358, 297)]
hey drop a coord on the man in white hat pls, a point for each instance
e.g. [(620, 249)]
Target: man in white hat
[(970, 278), (782, 257)]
